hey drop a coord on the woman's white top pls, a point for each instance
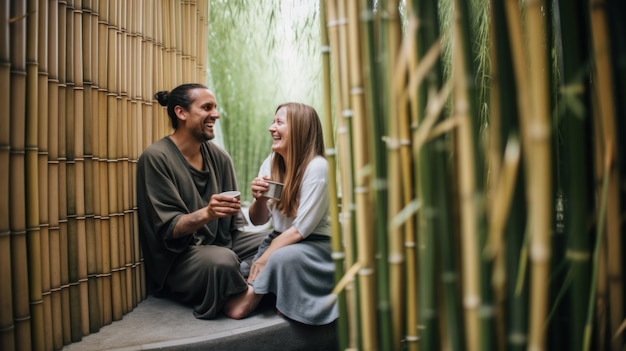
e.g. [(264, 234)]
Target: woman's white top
[(312, 215)]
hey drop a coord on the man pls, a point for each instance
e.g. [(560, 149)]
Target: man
[(190, 234)]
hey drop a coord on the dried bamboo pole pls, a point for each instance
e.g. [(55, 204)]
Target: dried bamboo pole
[(91, 62), (112, 159), (337, 35), (362, 181), (7, 337), (43, 196), (79, 141), (17, 191), (53, 177), (63, 174), (148, 48), (33, 232), (71, 246), (128, 108), (135, 9), (102, 203), (177, 51), (122, 104), (604, 112), (185, 44), (125, 128), (338, 253)]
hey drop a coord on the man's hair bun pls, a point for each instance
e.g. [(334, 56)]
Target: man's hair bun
[(162, 97)]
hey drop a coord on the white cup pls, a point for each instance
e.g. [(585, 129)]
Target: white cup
[(274, 191), (234, 193)]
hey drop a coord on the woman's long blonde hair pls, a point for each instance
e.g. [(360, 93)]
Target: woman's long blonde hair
[(304, 141)]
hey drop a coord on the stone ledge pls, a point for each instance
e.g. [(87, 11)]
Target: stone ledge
[(165, 325)]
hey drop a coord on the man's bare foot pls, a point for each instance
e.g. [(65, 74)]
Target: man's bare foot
[(242, 305)]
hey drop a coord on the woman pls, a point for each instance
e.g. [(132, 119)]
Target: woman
[(294, 262)]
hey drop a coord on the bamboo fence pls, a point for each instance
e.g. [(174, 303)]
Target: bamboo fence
[(481, 173), (77, 80)]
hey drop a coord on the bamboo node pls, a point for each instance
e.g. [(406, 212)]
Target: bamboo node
[(366, 271), (517, 338), (471, 301), (337, 22), (331, 151), (347, 113), (357, 91), (576, 255), (392, 143), (396, 258), (448, 277), (411, 338), (338, 255), (360, 190), (325, 48), (379, 184), (486, 311)]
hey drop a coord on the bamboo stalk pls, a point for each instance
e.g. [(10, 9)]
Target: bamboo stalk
[(467, 191), (113, 85), (102, 206), (53, 179), (17, 191), (337, 35), (338, 253), (364, 222), (91, 64), (33, 234), (79, 141), (43, 196), (71, 179), (605, 120), (390, 38), (578, 180), (7, 337), (539, 174), (506, 231)]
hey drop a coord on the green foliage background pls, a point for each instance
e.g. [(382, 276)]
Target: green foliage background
[(261, 53)]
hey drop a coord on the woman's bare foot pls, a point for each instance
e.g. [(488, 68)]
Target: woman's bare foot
[(242, 305)]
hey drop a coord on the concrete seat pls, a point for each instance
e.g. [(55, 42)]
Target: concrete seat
[(162, 324)]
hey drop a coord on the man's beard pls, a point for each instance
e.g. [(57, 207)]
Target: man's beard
[(203, 136)]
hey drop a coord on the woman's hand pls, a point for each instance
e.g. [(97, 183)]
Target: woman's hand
[(259, 186), (256, 269)]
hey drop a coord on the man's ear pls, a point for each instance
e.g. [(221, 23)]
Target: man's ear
[(180, 113)]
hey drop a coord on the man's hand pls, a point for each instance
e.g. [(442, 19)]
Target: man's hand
[(222, 206)]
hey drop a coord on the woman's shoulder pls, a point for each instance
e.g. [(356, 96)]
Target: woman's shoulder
[(318, 166)]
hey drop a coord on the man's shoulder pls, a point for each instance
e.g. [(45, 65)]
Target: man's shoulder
[(159, 150), (215, 149)]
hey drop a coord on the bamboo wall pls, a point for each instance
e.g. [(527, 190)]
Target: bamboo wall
[(77, 80)]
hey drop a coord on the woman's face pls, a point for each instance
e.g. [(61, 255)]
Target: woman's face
[(280, 132)]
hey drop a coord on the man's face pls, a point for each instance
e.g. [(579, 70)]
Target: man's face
[(202, 115)]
